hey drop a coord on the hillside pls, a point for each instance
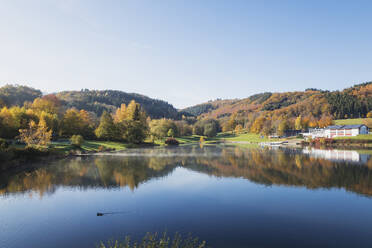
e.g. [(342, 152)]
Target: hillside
[(99, 100), (16, 95), (92, 100), (316, 107)]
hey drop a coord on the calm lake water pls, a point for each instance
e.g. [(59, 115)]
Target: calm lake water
[(229, 196)]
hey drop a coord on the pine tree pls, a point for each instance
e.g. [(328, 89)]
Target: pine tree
[(107, 129)]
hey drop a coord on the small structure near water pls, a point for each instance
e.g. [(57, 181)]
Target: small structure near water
[(337, 131)]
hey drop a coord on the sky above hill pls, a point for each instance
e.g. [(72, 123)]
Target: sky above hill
[(185, 52)]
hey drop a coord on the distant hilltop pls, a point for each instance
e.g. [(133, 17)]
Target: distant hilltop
[(353, 102), (95, 101)]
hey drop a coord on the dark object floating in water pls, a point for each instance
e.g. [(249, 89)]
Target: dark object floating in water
[(102, 214)]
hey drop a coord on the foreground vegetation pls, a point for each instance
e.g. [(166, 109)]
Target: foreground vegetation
[(155, 240)]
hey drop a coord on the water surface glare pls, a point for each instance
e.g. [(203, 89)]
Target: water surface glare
[(229, 196)]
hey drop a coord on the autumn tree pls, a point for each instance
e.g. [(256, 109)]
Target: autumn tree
[(231, 123), (49, 104), (170, 133), (210, 129), (258, 124), (159, 128), (298, 123), (325, 121), (238, 128), (107, 129), (283, 127), (207, 127), (183, 128), (131, 122), (36, 135), (368, 123), (12, 119), (77, 140), (77, 122)]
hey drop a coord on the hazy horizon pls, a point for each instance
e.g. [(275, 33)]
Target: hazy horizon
[(185, 52)]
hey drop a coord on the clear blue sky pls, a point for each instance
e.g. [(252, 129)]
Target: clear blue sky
[(186, 52)]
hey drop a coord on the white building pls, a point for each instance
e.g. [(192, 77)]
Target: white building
[(337, 131)]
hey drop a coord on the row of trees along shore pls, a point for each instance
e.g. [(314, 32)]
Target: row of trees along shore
[(38, 122)]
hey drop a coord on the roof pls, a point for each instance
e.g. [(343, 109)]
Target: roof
[(345, 126)]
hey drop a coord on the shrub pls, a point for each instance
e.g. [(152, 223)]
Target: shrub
[(322, 141), (171, 141), (77, 140), (3, 144), (101, 148)]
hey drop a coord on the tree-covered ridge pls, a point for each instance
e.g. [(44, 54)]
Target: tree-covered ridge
[(98, 101), (265, 112), (207, 107), (11, 95)]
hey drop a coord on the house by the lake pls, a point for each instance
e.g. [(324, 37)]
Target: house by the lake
[(337, 131)]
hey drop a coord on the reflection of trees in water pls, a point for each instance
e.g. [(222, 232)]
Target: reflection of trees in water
[(291, 167), (264, 166)]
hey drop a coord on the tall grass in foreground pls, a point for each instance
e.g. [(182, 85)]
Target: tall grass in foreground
[(155, 240)]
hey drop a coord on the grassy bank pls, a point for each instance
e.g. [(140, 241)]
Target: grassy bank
[(90, 146), (17, 154), (356, 121), (227, 137), (243, 137)]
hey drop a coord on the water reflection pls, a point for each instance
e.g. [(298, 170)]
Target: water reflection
[(339, 155), (312, 168)]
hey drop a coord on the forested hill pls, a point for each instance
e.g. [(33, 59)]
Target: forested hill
[(16, 95), (99, 100), (312, 104), (91, 100)]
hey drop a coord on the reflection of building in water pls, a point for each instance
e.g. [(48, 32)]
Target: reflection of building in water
[(337, 155)]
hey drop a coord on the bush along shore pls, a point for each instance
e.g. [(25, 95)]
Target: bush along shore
[(339, 143)]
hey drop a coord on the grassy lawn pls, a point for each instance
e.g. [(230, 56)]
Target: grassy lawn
[(89, 145), (244, 137), (351, 121), (228, 136)]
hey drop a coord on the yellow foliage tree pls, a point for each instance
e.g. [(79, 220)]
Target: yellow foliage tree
[(36, 135), (298, 123), (258, 124), (238, 128)]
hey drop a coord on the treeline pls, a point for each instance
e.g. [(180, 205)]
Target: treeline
[(37, 122), (16, 95), (96, 101), (269, 113), (46, 118)]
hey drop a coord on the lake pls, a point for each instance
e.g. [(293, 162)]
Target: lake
[(230, 196)]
